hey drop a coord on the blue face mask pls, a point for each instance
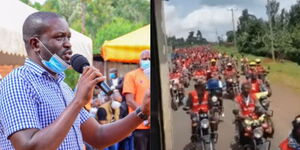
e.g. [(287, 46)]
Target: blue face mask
[(55, 63), (145, 64), (112, 75)]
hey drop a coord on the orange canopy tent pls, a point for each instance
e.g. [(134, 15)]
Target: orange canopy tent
[(127, 48)]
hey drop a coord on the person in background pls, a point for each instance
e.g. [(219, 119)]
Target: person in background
[(113, 78), (293, 141), (136, 83), (127, 143), (109, 112)]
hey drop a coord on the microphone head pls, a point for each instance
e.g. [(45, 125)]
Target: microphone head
[(78, 62)]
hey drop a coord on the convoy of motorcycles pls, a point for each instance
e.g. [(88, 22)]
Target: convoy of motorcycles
[(223, 75)]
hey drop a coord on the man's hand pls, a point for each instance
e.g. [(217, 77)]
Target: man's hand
[(145, 108), (86, 84)]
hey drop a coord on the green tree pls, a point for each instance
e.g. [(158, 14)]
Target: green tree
[(114, 29), (230, 36)]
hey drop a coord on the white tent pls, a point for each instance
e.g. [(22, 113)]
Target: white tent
[(12, 50)]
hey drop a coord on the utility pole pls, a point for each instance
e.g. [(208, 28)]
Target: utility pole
[(217, 37), (233, 25), (271, 29)]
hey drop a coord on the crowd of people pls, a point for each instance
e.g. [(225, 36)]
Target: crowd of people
[(217, 76), (128, 95)]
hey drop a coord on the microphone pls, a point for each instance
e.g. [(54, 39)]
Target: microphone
[(78, 62)]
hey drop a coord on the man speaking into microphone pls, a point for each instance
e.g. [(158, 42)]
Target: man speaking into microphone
[(39, 111)]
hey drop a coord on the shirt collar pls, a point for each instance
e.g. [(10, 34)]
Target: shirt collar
[(39, 70)]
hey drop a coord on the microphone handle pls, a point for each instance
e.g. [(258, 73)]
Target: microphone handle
[(105, 88)]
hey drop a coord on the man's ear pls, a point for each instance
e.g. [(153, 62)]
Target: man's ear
[(34, 44)]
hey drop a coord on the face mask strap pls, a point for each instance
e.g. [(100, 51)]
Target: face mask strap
[(45, 46)]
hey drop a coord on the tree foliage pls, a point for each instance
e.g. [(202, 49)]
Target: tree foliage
[(98, 19), (192, 39), (254, 34)]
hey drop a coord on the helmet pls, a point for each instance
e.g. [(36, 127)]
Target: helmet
[(212, 60), (252, 63), (229, 64), (257, 60), (296, 121)]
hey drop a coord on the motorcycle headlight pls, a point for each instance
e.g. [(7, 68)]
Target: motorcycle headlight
[(203, 115), (258, 133), (204, 123), (248, 122), (262, 118), (214, 99)]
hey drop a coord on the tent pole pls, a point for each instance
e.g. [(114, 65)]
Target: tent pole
[(105, 68)]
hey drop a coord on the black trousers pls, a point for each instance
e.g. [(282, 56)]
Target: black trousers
[(141, 139)]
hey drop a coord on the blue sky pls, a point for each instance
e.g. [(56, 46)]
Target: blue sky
[(211, 16)]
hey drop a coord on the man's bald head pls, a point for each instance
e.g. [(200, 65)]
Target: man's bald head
[(36, 23), (145, 52), (113, 70), (145, 55)]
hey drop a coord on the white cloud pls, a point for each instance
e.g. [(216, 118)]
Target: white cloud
[(207, 19), (39, 1)]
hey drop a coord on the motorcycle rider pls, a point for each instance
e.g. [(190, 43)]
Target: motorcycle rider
[(259, 67), (293, 141), (251, 70), (246, 101), (230, 71), (196, 99), (213, 66), (261, 71), (199, 72), (257, 85), (249, 107), (244, 62)]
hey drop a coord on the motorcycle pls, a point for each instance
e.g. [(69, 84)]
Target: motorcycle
[(177, 94), (215, 106), (206, 137), (253, 132), (232, 87), (262, 77), (185, 81)]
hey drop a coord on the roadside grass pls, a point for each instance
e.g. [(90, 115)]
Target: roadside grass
[(287, 73)]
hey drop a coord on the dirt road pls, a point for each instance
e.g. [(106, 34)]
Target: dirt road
[(284, 102)]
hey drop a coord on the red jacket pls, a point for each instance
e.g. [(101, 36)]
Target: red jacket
[(255, 87), (260, 69), (199, 73), (213, 68), (229, 73), (247, 110), (196, 106), (285, 145)]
